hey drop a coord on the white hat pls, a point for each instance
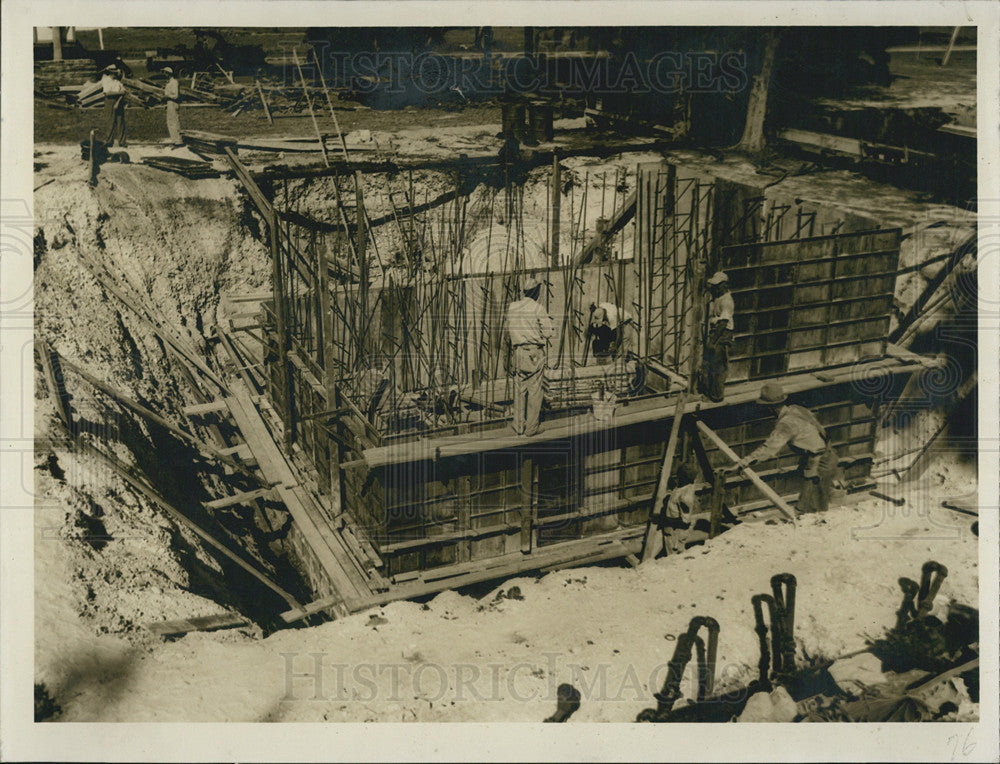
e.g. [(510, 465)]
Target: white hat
[(531, 281), (718, 278), (167, 69)]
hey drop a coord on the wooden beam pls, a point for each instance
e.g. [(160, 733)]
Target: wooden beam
[(197, 623), (246, 497), (200, 409), (549, 558), (56, 383), (661, 484), (527, 502), (624, 214), (769, 492), (637, 412), (152, 416)]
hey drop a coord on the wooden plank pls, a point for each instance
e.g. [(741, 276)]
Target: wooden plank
[(56, 383), (666, 469), (318, 535), (638, 412), (198, 623), (151, 415), (246, 497), (527, 502), (549, 558), (199, 409), (769, 492)]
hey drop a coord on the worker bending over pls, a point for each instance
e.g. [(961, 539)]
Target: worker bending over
[(800, 430), (610, 332), (529, 329), (718, 338)]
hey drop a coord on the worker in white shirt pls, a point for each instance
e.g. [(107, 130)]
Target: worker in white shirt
[(172, 92), (529, 329), (114, 105), (610, 332), (718, 338)]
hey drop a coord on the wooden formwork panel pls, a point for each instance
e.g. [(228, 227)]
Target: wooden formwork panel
[(441, 513), (810, 303)]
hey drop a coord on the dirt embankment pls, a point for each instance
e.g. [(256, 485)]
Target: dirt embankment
[(107, 560)]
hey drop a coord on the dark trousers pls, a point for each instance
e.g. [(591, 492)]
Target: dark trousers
[(819, 471), (115, 108), (715, 362)]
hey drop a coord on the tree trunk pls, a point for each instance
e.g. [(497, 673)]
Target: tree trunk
[(752, 141)]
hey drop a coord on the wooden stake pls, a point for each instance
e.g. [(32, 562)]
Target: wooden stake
[(951, 46), (556, 202), (263, 100), (312, 114), (93, 161), (329, 103)]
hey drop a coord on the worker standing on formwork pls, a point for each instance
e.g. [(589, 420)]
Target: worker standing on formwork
[(172, 92), (800, 430), (529, 329), (718, 338)]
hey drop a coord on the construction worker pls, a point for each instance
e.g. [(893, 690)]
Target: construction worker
[(800, 430), (529, 329), (681, 505), (172, 92), (718, 338), (114, 104), (610, 332)]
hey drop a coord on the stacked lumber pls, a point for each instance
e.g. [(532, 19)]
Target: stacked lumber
[(50, 76), (207, 143), (189, 168)]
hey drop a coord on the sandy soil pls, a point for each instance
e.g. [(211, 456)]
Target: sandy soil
[(606, 630)]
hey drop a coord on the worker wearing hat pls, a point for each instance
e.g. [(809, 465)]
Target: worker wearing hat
[(529, 329), (718, 338), (799, 429), (114, 104), (171, 91)]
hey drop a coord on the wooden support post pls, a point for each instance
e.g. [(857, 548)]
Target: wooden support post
[(280, 311), (263, 100), (769, 492), (527, 502), (329, 380), (661, 485), (715, 504), (556, 205), (312, 114), (152, 416), (93, 161), (464, 499)]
